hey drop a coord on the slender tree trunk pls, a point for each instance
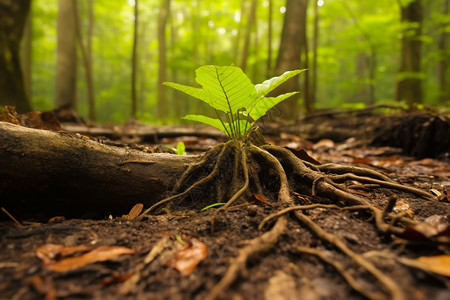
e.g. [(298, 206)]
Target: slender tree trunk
[(237, 40), (162, 68), (289, 54), (86, 52), (409, 82), (134, 63), (370, 61), (269, 40), (248, 31), (13, 15), (66, 66), (313, 91), (26, 62), (304, 59), (444, 83)]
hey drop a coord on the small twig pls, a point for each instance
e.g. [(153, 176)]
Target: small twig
[(12, 217)]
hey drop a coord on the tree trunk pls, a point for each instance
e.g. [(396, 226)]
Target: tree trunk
[(134, 62), (66, 66), (13, 16), (269, 40), (162, 66), (289, 55), (313, 90), (26, 53), (86, 52), (248, 31), (67, 174), (409, 82), (444, 60)]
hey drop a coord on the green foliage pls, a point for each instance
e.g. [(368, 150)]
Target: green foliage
[(180, 149), (237, 102), (213, 205)]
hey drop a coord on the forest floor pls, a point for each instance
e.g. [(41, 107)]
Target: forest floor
[(179, 256)]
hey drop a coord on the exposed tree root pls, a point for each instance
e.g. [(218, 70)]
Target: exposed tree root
[(254, 247), (230, 172)]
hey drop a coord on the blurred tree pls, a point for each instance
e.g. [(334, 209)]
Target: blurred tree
[(444, 55), (134, 62), (66, 67), (162, 66), (367, 61), (13, 15), (313, 90), (409, 81), (293, 37), (269, 39), (26, 54), (86, 53), (251, 21)]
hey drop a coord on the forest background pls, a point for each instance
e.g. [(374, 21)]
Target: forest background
[(108, 59)]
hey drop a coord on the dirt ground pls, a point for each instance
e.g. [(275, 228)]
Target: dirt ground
[(167, 256)]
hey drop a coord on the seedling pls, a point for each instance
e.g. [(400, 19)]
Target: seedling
[(180, 149), (237, 103)]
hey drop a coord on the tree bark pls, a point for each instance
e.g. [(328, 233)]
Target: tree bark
[(444, 57), (162, 62), (66, 68), (409, 83), (248, 30), (13, 15), (86, 53), (134, 62), (61, 173), (289, 54)]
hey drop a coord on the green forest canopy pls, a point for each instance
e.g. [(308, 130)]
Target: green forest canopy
[(212, 32)]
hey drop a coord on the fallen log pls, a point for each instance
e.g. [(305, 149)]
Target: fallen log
[(45, 173)]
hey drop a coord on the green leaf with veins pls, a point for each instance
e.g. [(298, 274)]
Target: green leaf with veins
[(227, 89)]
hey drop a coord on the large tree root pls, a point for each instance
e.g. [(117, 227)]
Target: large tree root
[(229, 173)]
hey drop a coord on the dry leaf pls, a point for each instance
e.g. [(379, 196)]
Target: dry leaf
[(438, 264), (433, 226), (402, 206), (134, 212), (188, 257), (258, 199), (50, 252)]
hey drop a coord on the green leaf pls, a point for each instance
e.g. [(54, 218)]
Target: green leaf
[(213, 205), (239, 125), (207, 120), (267, 103), (181, 148), (269, 85), (226, 88)]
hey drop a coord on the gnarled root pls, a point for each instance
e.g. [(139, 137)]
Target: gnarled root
[(230, 172)]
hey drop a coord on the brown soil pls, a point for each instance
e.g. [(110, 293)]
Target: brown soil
[(283, 271)]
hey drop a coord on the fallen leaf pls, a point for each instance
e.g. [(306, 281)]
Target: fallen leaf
[(303, 155), (433, 226), (257, 198), (439, 264), (324, 143), (402, 206), (134, 212), (50, 252), (188, 257)]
